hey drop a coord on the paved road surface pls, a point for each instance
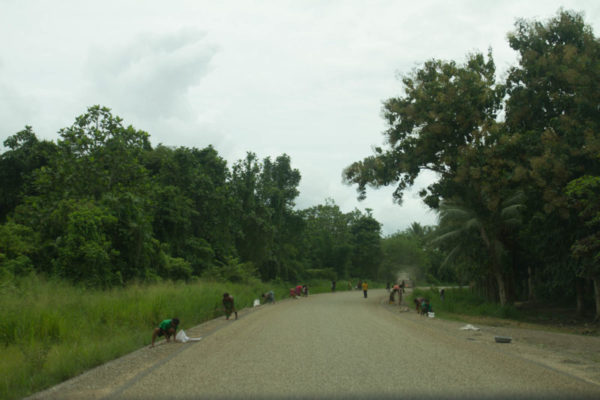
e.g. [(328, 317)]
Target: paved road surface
[(338, 346)]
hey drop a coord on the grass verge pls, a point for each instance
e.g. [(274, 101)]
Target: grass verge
[(466, 306), (51, 330)]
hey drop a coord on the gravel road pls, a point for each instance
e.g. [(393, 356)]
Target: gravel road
[(344, 346)]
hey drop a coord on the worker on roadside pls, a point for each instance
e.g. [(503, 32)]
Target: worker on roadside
[(269, 297), (426, 307), (365, 287), (418, 301), (229, 305), (166, 328)]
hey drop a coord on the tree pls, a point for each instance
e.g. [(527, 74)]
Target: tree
[(327, 238), (458, 223), (366, 245), (17, 167), (552, 107), (445, 108), (584, 193)]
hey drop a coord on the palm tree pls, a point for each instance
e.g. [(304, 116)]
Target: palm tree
[(459, 222)]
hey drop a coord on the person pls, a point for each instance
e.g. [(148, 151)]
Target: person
[(298, 290), (426, 307), (403, 286), (418, 301), (365, 287), (392, 297), (333, 286), (229, 305), (293, 293), (387, 287), (167, 328), (305, 290), (269, 297), (442, 294), (359, 284)]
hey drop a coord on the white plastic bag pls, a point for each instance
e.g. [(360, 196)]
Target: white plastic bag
[(183, 338), (469, 327), (256, 302)]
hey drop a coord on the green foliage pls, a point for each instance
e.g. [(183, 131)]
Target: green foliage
[(51, 330), (323, 273), (447, 121), (464, 302), (17, 166), (584, 193)]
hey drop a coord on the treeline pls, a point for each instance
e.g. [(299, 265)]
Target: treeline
[(517, 164), (102, 207)]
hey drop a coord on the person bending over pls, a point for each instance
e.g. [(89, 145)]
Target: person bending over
[(166, 328)]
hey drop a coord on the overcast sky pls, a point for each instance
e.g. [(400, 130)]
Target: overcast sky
[(305, 78)]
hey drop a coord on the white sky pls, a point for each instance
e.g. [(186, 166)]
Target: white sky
[(306, 78)]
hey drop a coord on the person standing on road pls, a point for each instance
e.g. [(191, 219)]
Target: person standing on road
[(229, 305), (365, 287), (333, 286), (166, 328)]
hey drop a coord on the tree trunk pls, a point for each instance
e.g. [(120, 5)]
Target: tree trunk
[(501, 287), (579, 289), (531, 293), (596, 280)]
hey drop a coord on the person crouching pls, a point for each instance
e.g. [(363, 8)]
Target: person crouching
[(166, 328)]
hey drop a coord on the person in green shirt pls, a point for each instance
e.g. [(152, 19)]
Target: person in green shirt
[(166, 328)]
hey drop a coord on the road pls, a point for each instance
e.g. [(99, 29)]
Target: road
[(331, 346)]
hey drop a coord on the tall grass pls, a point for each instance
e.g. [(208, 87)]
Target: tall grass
[(51, 330), (464, 302)]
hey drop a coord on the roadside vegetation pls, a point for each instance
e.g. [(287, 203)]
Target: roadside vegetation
[(126, 234), (463, 302), (52, 330)]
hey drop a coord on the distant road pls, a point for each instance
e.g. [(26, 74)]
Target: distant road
[(330, 346)]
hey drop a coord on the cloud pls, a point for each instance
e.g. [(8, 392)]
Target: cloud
[(150, 77)]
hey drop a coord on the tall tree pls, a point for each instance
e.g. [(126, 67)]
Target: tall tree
[(553, 108), (17, 165), (445, 108)]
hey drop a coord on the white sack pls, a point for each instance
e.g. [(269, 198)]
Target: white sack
[(183, 338)]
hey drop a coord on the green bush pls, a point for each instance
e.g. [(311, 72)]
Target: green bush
[(465, 302), (51, 330)]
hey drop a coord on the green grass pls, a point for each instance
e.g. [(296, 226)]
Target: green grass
[(51, 330), (464, 302)]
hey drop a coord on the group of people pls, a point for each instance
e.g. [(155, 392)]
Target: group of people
[(422, 306), (168, 327), (396, 290), (298, 291)]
